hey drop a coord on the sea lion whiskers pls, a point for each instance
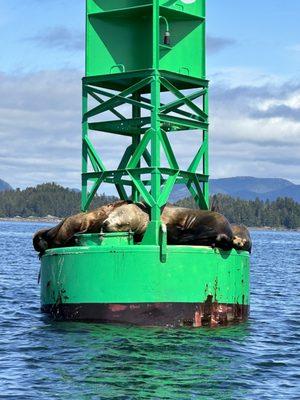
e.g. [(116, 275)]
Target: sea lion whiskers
[(190, 221)]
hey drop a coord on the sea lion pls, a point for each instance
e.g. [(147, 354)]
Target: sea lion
[(241, 238), (197, 227), (184, 226), (42, 239), (63, 234), (128, 217)]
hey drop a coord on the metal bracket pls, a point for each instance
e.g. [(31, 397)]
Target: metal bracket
[(163, 243)]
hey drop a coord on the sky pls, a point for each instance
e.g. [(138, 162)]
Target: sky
[(253, 64)]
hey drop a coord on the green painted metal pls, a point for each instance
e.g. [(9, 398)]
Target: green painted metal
[(129, 64), (141, 25), (123, 273)]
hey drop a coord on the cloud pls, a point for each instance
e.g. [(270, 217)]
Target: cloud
[(216, 44), (40, 130), (255, 130), (61, 38), (40, 127), (280, 111)]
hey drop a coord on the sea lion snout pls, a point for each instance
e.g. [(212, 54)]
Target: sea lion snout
[(105, 224), (116, 224), (239, 241), (128, 217), (40, 244), (241, 238)]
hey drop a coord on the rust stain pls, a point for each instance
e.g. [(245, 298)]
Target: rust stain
[(134, 306), (216, 288), (117, 307), (197, 320)]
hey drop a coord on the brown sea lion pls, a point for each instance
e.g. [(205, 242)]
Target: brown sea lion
[(241, 238), (128, 217), (42, 239), (184, 226), (63, 234), (197, 227)]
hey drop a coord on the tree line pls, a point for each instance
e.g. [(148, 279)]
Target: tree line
[(53, 199), (281, 213), (45, 199)]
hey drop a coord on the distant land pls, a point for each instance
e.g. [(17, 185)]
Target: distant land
[(4, 186), (246, 188), (243, 187), (49, 201)]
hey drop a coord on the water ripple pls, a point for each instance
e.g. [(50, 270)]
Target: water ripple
[(41, 359)]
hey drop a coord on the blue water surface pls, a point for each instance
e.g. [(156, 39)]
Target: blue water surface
[(40, 359)]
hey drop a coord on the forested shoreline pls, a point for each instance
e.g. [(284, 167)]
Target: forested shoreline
[(55, 200), (281, 213), (43, 200)]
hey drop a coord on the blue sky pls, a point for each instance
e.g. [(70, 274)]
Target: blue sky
[(253, 64)]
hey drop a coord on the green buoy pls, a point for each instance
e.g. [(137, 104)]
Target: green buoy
[(135, 51)]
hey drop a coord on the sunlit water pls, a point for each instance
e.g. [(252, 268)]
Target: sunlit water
[(40, 359)]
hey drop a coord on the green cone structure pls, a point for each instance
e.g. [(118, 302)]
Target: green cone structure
[(145, 81)]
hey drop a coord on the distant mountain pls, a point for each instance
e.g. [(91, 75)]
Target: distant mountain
[(247, 188), (76, 190), (292, 192), (4, 186)]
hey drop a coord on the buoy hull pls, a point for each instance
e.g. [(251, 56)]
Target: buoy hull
[(192, 286)]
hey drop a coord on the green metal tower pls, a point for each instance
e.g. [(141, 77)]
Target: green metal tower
[(135, 51), (147, 59)]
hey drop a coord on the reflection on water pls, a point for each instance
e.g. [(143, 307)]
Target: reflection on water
[(44, 359)]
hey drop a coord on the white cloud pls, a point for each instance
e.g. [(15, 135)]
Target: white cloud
[(40, 130)]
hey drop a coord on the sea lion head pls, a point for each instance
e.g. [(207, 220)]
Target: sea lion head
[(40, 244), (241, 238), (239, 242), (129, 217)]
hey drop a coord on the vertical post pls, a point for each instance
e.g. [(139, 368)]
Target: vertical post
[(156, 36), (155, 126), (205, 133), (84, 148), (206, 152), (136, 113), (152, 235), (155, 147)]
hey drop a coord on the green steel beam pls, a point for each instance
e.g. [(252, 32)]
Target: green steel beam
[(168, 150), (129, 100), (183, 122), (198, 157), (84, 158), (101, 101), (140, 150), (206, 154), (136, 139), (130, 127), (181, 101), (93, 154), (175, 110), (111, 88), (184, 98), (118, 99)]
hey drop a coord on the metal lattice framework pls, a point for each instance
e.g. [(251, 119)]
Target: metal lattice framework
[(148, 127)]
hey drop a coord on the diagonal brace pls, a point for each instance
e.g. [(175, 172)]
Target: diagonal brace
[(118, 99), (184, 98)]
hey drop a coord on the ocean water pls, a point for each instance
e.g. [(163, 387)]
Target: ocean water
[(41, 359)]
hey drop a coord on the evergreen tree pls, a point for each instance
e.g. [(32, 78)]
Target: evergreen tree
[(45, 199), (282, 213)]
